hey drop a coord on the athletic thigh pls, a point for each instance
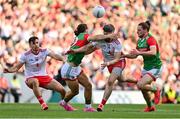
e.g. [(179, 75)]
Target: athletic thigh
[(53, 85), (29, 82), (146, 79), (154, 73), (117, 71), (73, 85), (116, 74), (113, 77), (121, 78), (83, 80)]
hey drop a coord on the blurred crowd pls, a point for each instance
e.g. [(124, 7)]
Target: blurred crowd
[(10, 87), (54, 21)]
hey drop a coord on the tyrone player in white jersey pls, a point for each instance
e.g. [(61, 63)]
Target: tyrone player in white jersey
[(35, 70), (112, 51)]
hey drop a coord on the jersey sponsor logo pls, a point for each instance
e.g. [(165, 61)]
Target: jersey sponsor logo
[(36, 58), (31, 60)]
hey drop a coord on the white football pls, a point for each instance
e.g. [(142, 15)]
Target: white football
[(98, 11)]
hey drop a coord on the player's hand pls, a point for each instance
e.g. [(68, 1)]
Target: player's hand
[(115, 36), (103, 65), (69, 52), (63, 53), (118, 35), (135, 52)]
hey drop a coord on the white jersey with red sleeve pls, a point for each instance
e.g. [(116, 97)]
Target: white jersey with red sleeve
[(35, 65), (109, 49)]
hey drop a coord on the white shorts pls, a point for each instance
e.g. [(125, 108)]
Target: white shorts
[(70, 73), (154, 73)]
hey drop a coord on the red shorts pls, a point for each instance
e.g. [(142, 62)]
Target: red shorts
[(43, 80), (121, 64)]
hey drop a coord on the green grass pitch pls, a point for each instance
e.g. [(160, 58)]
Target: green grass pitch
[(121, 111)]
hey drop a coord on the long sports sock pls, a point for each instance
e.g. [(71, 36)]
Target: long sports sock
[(40, 99), (103, 102)]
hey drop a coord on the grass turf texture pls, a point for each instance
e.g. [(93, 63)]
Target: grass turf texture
[(110, 111)]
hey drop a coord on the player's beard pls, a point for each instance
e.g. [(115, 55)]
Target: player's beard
[(35, 50), (141, 35)]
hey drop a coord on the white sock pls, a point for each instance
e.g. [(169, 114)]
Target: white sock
[(87, 105), (63, 102)]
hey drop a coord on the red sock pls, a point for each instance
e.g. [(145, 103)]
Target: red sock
[(40, 99), (103, 102)]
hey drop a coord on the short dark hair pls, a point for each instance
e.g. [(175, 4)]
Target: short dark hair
[(32, 39), (108, 28), (145, 25), (80, 29)]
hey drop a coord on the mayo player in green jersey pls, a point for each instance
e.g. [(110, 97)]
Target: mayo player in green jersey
[(72, 73), (112, 50), (148, 48)]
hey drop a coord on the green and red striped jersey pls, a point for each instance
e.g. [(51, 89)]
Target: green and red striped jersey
[(151, 61), (80, 42)]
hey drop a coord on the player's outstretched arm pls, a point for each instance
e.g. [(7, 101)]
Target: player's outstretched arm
[(56, 56), (14, 68), (130, 56), (151, 52), (117, 57), (90, 50), (87, 49), (103, 37)]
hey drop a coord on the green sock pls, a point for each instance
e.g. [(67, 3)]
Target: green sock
[(150, 104)]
